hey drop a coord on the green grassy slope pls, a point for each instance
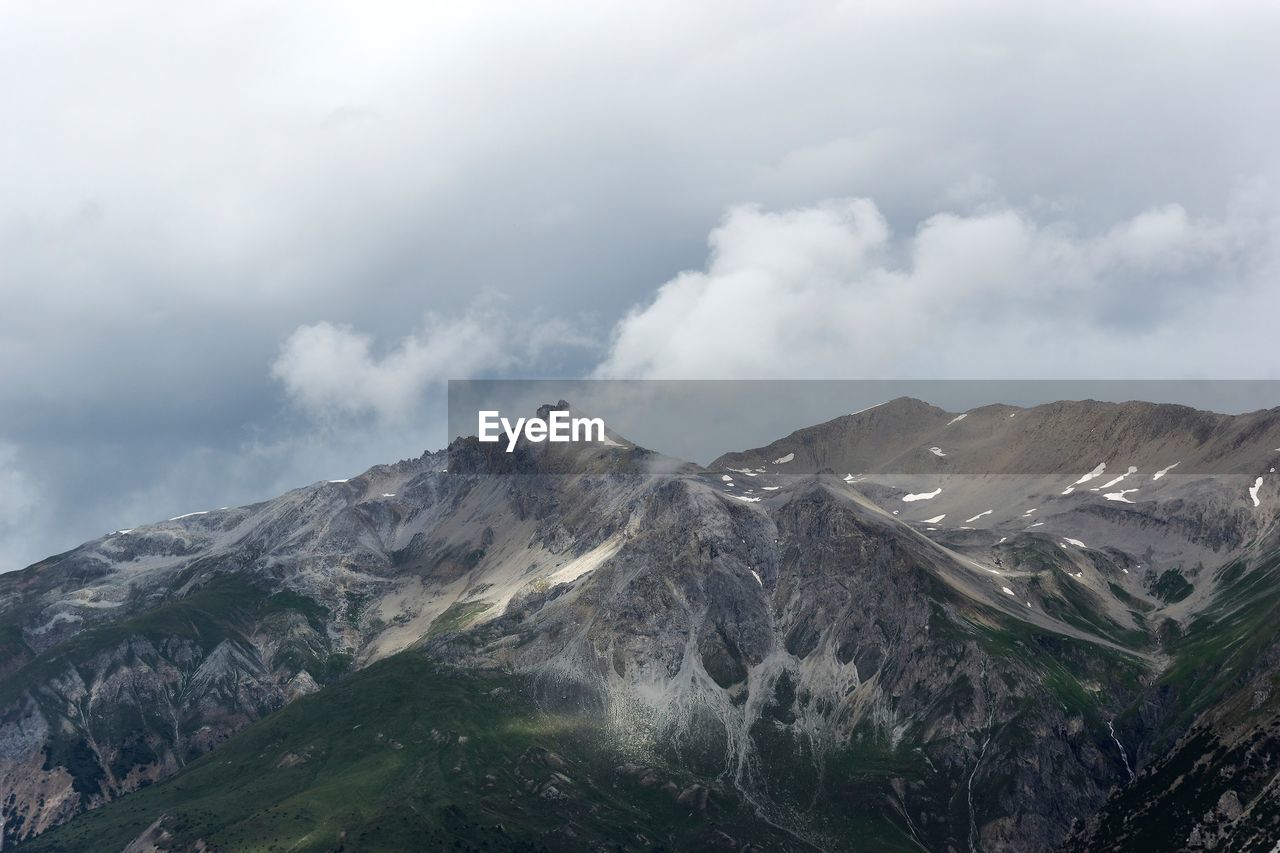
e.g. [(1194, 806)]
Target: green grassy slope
[(405, 756)]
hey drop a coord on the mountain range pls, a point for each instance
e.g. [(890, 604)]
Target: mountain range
[(1006, 629)]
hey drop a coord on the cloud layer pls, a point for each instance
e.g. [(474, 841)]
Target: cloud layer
[(330, 370), (828, 291), (188, 189)]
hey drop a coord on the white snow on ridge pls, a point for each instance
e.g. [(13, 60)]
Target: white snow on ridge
[(957, 419), (935, 519), (1157, 475), (745, 498), (1096, 472), (770, 488), (337, 481), (978, 516), (1110, 483), (1075, 542), (1253, 491), (923, 496), (1068, 490), (936, 451), (867, 409), (189, 515), (1119, 496), (783, 460), (1006, 590)]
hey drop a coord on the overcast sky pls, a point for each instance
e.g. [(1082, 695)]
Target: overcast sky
[(243, 243)]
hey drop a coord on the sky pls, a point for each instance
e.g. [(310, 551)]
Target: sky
[(242, 245)]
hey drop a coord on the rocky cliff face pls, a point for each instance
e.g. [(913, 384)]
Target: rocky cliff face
[(948, 630)]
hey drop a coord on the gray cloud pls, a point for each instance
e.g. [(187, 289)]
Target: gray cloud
[(183, 190), (827, 291)]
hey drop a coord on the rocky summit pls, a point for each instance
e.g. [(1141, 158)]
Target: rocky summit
[(1006, 629)]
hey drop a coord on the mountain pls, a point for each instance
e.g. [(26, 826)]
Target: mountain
[(904, 628)]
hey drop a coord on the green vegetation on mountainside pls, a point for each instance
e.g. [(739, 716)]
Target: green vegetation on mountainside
[(402, 756)]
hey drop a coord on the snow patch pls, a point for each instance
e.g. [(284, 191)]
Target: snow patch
[(1253, 491), (1110, 483), (1075, 542), (978, 516), (936, 451), (770, 488), (935, 519), (1095, 473), (957, 419), (757, 577), (1157, 475), (189, 515), (1007, 591), (923, 496), (1119, 496), (783, 460), (746, 498)]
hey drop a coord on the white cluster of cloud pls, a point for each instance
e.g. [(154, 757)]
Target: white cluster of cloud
[(331, 371), (828, 291)]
